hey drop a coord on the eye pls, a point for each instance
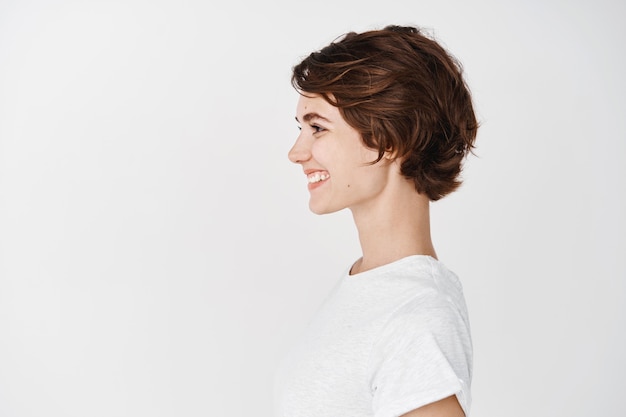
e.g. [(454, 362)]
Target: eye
[(317, 128)]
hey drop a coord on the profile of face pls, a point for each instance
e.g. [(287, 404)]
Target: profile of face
[(335, 161)]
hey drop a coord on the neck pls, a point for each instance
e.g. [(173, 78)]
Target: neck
[(393, 228)]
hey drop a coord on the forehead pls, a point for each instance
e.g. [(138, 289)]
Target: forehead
[(314, 106)]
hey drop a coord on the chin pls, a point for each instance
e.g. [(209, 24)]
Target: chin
[(321, 209)]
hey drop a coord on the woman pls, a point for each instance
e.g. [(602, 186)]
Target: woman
[(386, 121)]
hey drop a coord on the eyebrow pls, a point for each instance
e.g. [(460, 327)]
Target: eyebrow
[(310, 116)]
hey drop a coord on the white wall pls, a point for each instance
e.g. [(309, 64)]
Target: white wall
[(157, 255)]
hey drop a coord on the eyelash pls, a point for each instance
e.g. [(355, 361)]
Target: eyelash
[(316, 128)]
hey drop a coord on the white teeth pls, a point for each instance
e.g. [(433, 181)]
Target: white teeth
[(317, 177)]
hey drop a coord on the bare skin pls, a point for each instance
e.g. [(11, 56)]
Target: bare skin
[(448, 407), (394, 226), (392, 218)]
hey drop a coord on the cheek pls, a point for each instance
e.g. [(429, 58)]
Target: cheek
[(368, 155), (321, 152)]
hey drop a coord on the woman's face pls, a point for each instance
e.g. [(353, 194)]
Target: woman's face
[(335, 160)]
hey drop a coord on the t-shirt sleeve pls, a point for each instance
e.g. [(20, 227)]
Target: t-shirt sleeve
[(424, 354)]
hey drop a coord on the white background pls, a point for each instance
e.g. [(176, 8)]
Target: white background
[(157, 256)]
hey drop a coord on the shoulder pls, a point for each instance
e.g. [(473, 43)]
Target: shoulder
[(423, 352), (420, 285), (434, 306)]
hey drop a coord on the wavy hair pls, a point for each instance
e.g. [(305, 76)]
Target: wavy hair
[(406, 96)]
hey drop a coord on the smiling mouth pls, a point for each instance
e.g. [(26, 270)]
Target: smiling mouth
[(317, 177)]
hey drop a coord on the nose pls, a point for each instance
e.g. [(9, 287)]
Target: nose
[(300, 151)]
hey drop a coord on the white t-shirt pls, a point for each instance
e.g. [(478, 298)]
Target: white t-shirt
[(385, 342)]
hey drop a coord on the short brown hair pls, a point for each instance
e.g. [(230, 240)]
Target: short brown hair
[(404, 94)]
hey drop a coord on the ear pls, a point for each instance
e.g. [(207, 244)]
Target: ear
[(392, 161), (390, 156)]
